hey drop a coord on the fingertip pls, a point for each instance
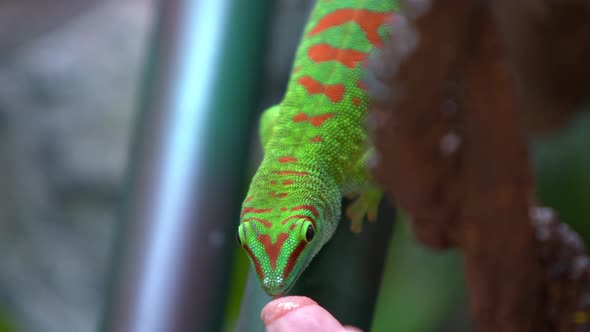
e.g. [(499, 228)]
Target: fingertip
[(281, 306), (297, 313)]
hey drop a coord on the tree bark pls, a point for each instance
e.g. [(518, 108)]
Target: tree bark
[(452, 104)]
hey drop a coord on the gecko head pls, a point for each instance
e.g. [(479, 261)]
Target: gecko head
[(279, 251)]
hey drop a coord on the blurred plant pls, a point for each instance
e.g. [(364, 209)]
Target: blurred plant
[(562, 161)]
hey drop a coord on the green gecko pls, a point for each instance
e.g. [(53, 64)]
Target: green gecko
[(315, 145)]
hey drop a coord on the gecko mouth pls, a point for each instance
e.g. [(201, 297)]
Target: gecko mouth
[(283, 291)]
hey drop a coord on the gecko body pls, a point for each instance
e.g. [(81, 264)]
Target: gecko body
[(315, 144)]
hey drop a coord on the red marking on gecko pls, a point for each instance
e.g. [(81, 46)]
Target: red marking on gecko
[(293, 258), (287, 159), (316, 139), (273, 249), (283, 209), (299, 216), (362, 85), (296, 173), (257, 265), (273, 182), (356, 101), (326, 52), (309, 208), (288, 182), (315, 120), (369, 21), (280, 195), (248, 199), (334, 92), (265, 222), (296, 69), (254, 210)]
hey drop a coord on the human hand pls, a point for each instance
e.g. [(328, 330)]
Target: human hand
[(300, 313)]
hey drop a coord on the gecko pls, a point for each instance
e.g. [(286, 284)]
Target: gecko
[(315, 144)]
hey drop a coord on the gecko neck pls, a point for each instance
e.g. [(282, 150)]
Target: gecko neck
[(304, 182)]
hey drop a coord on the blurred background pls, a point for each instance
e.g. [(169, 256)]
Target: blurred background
[(70, 75)]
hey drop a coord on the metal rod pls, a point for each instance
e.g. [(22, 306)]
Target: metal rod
[(187, 171)]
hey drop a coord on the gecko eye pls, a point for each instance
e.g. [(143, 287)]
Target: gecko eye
[(307, 231)]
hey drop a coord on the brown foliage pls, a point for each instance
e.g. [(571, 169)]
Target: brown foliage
[(548, 47), (451, 149)]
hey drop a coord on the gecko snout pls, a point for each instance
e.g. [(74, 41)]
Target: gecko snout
[(274, 286)]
